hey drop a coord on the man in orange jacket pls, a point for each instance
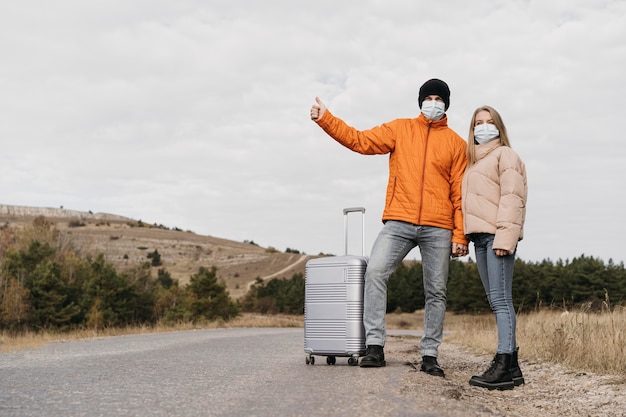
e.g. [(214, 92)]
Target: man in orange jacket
[(423, 208)]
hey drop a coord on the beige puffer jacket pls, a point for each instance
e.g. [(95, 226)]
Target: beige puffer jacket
[(494, 195)]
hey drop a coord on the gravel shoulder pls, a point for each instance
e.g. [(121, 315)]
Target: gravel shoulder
[(550, 390)]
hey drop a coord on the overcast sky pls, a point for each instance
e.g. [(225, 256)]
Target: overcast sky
[(195, 114)]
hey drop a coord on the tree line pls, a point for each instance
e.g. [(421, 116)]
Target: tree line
[(584, 282), (45, 284)]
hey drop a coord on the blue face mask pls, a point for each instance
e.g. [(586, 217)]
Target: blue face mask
[(485, 132), (433, 109)]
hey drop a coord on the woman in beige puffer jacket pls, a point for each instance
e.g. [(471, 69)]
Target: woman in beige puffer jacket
[(494, 191)]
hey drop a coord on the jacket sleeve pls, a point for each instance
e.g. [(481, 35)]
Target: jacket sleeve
[(376, 141), (512, 208), (456, 178)]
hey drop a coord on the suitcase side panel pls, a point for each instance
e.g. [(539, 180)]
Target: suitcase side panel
[(333, 310)]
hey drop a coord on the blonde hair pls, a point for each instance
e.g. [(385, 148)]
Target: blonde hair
[(497, 121)]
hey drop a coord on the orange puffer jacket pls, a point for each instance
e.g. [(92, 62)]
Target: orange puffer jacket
[(426, 164)]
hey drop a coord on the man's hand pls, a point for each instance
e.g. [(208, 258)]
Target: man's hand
[(317, 110), (458, 249)]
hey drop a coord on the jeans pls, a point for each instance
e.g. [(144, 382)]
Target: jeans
[(394, 242), (496, 273)]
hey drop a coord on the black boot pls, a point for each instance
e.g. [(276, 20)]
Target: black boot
[(431, 367), (516, 372), (498, 376), (374, 357)]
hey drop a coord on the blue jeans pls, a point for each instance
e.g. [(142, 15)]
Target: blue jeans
[(394, 242), (496, 273)]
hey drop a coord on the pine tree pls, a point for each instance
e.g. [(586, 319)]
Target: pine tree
[(209, 299)]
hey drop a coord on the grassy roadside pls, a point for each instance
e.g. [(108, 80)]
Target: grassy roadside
[(584, 341), (33, 340), (580, 340)]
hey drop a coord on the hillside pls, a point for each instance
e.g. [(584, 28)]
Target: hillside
[(126, 243)]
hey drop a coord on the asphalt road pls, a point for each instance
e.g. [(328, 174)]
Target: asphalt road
[(226, 372)]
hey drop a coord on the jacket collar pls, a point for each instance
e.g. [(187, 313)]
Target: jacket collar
[(485, 148), (443, 122)]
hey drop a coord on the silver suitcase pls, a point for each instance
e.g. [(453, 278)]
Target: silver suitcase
[(333, 304)]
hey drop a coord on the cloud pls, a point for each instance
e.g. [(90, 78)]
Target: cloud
[(195, 114)]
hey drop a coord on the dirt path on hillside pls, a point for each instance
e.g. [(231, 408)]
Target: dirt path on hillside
[(550, 390), (301, 259)]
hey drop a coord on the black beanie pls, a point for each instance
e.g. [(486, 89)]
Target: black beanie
[(435, 87)]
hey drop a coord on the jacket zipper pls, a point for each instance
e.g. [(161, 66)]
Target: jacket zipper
[(419, 215)]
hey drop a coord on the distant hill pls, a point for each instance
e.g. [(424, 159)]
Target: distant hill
[(126, 242)]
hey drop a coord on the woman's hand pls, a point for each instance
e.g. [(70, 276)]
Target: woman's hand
[(501, 252)]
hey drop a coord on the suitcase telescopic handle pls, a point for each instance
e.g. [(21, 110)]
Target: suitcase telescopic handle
[(345, 226)]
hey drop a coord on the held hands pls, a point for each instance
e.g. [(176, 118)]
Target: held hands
[(458, 250), (317, 110)]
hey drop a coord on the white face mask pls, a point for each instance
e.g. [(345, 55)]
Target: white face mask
[(433, 109), (485, 132)]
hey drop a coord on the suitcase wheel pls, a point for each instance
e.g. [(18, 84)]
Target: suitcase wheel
[(331, 360)]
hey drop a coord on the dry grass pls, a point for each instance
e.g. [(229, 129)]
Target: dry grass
[(581, 340)]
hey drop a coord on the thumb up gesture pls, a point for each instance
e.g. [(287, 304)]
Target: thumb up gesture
[(317, 110)]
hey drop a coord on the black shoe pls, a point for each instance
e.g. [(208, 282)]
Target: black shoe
[(498, 376), (431, 367), (516, 372), (374, 357)]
